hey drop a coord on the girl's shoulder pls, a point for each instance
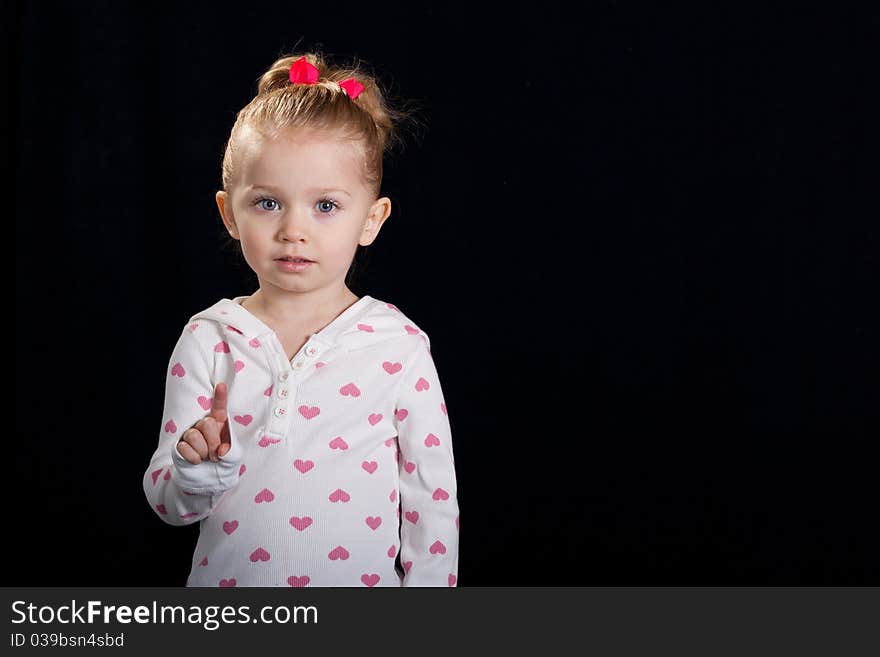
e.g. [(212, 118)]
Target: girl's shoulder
[(382, 322)]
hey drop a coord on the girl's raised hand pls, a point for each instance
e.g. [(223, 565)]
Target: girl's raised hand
[(209, 437)]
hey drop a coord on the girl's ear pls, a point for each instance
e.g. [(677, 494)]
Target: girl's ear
[(379, 212), (225, 207)]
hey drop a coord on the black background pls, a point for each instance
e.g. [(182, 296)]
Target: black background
[(641, 240)]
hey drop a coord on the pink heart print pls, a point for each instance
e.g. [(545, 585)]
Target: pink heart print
[(350, 389), (431, 440), (230, 526), (365, 327), (301, 523), (264, 495), (421, 384), (339, 495), (161, 509), (155, 474), (205, 402), (401, 413), (265, 441), (224, 583), (338, 552), (412, 330), (392, 368), (243, 419), (308, 412), (232, 328), (375, 418), (409, 466), (407, 565), (268, 391), (338, 443), (373, 522), (204, 562), (303, 466), (239, 366), (412, 516), (443, 408), (254, 343), (221, 347), (392, 552), (370, 466), (170, 427), (178, 370), (293, 580), (259, 555), (437, 548), (393, 496), (440, 494), (370, 580), (452, 579), (192, 327)]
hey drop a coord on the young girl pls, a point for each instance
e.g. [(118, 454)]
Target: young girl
[(304, 428)]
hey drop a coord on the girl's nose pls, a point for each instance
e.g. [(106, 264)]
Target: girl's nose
[(293, 226)]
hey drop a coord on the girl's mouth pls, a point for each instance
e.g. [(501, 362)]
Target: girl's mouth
[(293, 265)]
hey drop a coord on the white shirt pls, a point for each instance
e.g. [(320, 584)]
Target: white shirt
[(340, 464)]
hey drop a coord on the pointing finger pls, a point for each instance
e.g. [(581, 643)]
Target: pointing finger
[(218, 403)]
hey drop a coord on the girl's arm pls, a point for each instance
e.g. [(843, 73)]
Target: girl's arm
[(428, 502), (180, 492)]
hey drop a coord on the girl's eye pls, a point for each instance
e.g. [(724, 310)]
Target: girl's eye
[(260, 200), (325, 205), (324, 202)]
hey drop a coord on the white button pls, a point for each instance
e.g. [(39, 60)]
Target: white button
[(282, 393), (284, 376), (310, 350), (298, 364), (279, 411)]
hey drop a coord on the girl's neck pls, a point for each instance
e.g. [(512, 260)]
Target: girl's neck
[(300, 308)]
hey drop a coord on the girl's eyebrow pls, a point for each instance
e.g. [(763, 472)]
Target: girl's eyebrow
[(325, 190)]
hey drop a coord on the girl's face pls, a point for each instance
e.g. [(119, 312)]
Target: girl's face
[(301, 195)]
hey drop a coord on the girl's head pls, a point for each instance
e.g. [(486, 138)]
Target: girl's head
[(302, 173)]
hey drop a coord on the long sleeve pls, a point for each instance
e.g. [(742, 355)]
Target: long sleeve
[(180, 492), (428, 502)]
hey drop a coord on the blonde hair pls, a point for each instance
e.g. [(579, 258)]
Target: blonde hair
[(280, 106)]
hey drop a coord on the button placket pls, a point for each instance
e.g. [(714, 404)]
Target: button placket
[(279, 417)]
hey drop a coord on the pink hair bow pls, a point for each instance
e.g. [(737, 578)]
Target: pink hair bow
[(303, 72)]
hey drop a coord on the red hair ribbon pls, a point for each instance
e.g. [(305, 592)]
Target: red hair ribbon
[(303, 72)]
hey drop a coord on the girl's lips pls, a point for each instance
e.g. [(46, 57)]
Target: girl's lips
[(287, 265)]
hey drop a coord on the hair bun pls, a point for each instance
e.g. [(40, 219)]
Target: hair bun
[(358, 108)]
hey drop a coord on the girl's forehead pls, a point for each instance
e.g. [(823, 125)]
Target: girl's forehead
[(317, 155)]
